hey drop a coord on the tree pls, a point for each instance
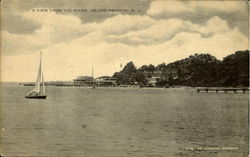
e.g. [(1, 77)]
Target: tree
[(235, 69), (129, 68), (140, 78), (196, 70), (126, 76)]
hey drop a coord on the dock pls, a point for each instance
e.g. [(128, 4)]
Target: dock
[(225, 90)]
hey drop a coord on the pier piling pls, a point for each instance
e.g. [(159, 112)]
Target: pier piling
[(225, 90)]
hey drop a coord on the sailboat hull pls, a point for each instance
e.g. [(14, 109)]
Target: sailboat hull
[(36, 97)]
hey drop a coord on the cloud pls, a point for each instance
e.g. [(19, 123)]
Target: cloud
[(219, 6), (163, 8), (121, 24), (219, 45), (71, 47), (65, 61), (215, 25), (19, 44), (55, 28), (52, 18), (163, 30)]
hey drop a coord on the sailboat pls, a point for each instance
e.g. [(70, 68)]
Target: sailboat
[(39, 91)]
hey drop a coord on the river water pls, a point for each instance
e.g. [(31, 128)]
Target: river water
[(115, 122)]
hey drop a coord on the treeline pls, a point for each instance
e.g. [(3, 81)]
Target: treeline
[(196, 70)]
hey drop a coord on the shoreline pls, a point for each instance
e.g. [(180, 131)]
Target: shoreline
[(131, 86), (146, 87)]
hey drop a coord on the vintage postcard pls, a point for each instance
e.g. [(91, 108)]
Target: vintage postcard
[(124, 78)]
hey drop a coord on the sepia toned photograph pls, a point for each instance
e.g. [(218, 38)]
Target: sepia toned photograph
[(124, 78)]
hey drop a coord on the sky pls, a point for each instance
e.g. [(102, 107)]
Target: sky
[(145, 32)]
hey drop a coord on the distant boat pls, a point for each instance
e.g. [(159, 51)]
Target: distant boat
[(39, 91)]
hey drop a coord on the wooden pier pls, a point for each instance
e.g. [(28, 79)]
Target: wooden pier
[(225, 90)]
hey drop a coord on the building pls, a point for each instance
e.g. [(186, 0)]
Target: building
[(161, 78), (106, 81), (83, 81), (154, 78), (153, 81)]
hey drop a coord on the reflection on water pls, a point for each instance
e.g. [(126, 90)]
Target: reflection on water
[(122, 122)]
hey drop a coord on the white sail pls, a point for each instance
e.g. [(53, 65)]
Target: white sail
[(38, 80), (38, 92), (43, 85)]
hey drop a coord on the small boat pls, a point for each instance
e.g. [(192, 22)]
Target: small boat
[(39, 91)]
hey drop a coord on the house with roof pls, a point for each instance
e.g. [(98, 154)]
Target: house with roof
[(106, 81), (83, 81), (154, 78)]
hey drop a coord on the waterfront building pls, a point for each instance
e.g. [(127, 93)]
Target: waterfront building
[(106, 81), (83, 81)]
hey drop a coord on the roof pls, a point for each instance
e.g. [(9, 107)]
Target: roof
[(83, 78), (104, 77)]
